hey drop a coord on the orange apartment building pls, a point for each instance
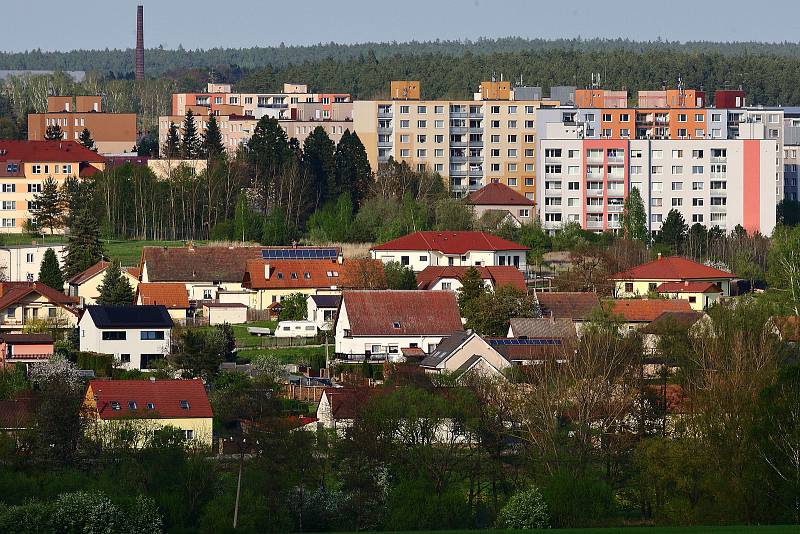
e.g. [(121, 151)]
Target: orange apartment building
[(113, 133), (24, 165), (470, 143)]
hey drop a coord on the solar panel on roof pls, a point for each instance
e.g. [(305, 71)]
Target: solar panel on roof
[(299, 253), (528, 341)]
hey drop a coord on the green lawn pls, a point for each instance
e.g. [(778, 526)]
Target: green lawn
[(286, 354), (777, 529), (128, 253)]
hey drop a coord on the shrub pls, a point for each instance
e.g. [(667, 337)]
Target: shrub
[(525, 510)]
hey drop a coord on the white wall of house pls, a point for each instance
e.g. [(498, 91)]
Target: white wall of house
[(474, 345), (355, 347), (131, 348), (322, 317), (22, 264), (417, 260)]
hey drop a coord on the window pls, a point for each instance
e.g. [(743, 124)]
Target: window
[(494, 138), (512, 152), (606, 117), (677, 169), (573, 186), (404, 138), (656, 217), (697, 186), (125, 358), (495, 152), (422, 124), (719, 185), (438, 138), (719, 201), (29, 257), (655, 202), (529, 109), (9, 205), (681, 117), (404, 260), (657, 169), (512, 110), (512, 138), (404, 153), (528, 152), (147, 335), (9, 188), (658, 154), (422, 109), (697, 218), (438, 109), (628, 287), (495, 124), (404, 124), (36, 169), (184, 404), (529, 125), (131, 405), (636, 153), (697, 202), (512, 167), (677, 153), (421, 152), (624, 117), (494, 109), (188, 434), (524, 213), (512, 182), (677, 202), (114, 335), (115, 406), (404, 110), (677, 186), (697, 169), (494, 167)]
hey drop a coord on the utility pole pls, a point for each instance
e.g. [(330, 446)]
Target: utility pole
[(239, 482)]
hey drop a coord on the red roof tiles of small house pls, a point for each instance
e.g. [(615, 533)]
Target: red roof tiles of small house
[(47, 151), (450, 242), (165, 396), (673, 268), (16, 294), (89, 273), (573, 305), (197, 264), (172, 295), (500, 275), (688, 287), (670, 320), (497, 194), (646, 310), (401, 313), (345, 403), (299, 274), (133, 271)]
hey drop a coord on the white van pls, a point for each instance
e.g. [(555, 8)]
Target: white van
[(296, 329)]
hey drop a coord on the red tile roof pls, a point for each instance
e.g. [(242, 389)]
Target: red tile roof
[(646, 310), (450, 242), (299, 274), (46, 151), (673, 268), (688, 287), (89, 273), (497, 194), (58, 298), (173, 295), (401, 313), (345, 403), (165, 395), (567, 305), (505, 275)]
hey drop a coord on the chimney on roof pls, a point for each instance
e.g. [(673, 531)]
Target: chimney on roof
[(266, 271), (659, 255), (152, 379)]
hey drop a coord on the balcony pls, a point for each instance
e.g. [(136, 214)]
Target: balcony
[(552, 192), (385, 114), (719, 159), (594, 225), (458, 143), (594, 192), (386, 130), (458, 129), (615, 208), (594, 208), (458, 172), (459, 114), (458, 159), (616, 160)]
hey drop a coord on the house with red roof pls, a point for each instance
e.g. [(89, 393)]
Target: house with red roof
[(497, 197), (648, 278), (464, 248), (86, 285), (449, 278), (378, 325), (635, 313), (173, 296), (22, 303), (144, 406)]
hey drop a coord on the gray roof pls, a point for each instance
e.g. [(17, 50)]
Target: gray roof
[(542, 328), (326, 301), (445, 349), (147, 316)]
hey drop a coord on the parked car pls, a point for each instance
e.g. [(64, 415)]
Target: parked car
[(296, 329)]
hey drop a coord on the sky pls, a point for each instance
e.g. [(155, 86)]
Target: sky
[(99, 24)]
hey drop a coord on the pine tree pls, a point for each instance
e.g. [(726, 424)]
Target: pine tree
[(53, 133), (50, 272), (276, 229), (86, 140), (268, 151), (673, 229), (115, 290), (634, 217), (84, 247), (212, 140), (471, 290), (353, 172), (72, 197), (318, 163), (47, 208), (190, 143), (171, 148)]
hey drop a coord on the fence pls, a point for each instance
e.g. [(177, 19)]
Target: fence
[(258, 315), (303, 393)]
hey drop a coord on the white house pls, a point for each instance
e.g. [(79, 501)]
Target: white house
[(424, 249), (321, 310), (463, 353), (22, 262), (449, 278), (498, 197), (377, 325), (137, 336)]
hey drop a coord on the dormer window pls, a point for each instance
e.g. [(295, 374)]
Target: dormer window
[(396, 324), (151, 406), (294, 276), (280, 276), (307, 276), (184, 404), (131, 405), (115, 405)]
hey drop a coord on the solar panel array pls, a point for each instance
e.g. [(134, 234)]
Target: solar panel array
[(528, 341), (299, 253)]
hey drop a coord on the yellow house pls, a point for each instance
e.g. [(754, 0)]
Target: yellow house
[(701, 295), (146, 405), (672, 274), (22, 303), (86, 285)]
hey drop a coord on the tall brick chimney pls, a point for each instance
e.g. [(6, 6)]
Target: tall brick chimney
[(139, 42)]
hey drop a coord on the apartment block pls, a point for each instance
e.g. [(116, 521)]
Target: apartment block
[(24, 165), (113, 133), (470, 143)]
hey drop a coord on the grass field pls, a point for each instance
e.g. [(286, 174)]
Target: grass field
[(743, 529)]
